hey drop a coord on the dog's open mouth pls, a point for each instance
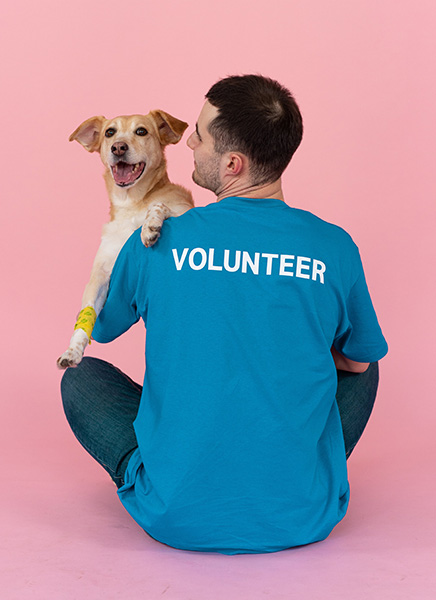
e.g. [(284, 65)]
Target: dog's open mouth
[(125, 174)]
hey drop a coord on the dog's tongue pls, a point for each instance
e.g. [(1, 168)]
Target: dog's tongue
[(124, 173)]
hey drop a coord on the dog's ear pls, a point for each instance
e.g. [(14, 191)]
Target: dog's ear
[(170, 129), (88, 133)]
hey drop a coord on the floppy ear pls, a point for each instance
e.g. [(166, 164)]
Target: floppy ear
[(170, 129), (88, 133)]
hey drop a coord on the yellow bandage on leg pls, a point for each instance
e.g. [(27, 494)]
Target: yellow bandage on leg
[(86, 321)]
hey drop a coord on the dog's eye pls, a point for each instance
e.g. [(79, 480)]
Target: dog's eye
[(141, 131), (110, 132)]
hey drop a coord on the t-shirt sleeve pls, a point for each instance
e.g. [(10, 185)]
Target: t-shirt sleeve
[(359, 336), (120, 310)]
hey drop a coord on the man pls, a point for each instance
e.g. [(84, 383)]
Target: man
[(250, 306)]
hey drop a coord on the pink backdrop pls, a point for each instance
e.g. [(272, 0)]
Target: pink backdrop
[(363, 74)]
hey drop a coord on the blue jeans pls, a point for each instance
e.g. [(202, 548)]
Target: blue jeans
[(101, 403)]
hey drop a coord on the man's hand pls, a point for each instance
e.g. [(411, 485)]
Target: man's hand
[(345, 364)]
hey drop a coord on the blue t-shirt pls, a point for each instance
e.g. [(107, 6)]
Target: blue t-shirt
[(240, 445)]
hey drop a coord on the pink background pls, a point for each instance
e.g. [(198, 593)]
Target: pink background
[(363, 73)]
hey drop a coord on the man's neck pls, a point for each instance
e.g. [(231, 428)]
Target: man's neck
[(245, 190)]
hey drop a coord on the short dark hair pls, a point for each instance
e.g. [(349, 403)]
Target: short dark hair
[(258, 117)]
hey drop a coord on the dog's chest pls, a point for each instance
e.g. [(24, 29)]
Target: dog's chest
[(116, 233)]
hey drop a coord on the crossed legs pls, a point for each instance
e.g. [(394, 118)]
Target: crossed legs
[(101, 404)]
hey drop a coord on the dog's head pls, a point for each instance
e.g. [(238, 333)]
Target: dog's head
[(130, 146)]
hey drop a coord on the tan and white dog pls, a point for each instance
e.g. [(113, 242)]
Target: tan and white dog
[(141, 195)]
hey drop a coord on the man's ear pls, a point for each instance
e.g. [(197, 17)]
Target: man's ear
[(235, 163), (88, 133), (169, 128)]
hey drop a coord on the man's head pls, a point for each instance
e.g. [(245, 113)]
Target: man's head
[(252, 115)]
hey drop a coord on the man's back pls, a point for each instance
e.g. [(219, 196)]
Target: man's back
[(240, 441)]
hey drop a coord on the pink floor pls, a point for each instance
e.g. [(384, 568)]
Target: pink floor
[(65, 534)]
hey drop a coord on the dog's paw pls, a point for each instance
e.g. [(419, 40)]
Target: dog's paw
[(70, 358), (156, 215), (150, 233)]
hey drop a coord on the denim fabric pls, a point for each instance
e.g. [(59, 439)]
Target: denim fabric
[(101, 403), (355, 397)]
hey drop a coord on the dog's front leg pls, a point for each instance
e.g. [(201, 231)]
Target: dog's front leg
[(154, 218), (93, 300)]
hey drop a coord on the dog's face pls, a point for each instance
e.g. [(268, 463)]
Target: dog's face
[(130, 146)]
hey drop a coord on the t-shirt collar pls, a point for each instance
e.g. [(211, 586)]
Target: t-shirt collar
[(243, 201)]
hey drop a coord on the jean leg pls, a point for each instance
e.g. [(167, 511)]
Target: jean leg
[(101, 403), (355, 397)]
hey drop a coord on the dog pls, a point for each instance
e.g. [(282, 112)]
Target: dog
[(140, 193)]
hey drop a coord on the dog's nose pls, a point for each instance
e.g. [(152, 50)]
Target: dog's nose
[(119, 148)]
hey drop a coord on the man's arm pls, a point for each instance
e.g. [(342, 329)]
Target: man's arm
[(345, 364), (358, 334)]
